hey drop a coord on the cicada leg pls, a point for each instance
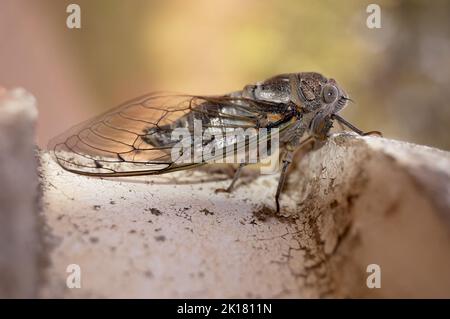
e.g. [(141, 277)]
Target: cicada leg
[(287, 159), (286, 162), (229, 189), (354, 128)]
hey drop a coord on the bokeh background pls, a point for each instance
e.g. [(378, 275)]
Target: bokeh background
[(398, 75)]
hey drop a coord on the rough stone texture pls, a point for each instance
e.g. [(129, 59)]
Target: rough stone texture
[(353, 202), (18, 195), (372, 200)]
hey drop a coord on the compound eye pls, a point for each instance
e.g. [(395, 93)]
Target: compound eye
[(330, 93)]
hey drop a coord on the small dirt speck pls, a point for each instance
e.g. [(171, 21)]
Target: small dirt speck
[(154, 211), (265, 213), (160, 238), (97, 207), (334, 204), (93, 240), (207, 212)]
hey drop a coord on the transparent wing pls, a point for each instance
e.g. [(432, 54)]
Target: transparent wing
[(135, 137)]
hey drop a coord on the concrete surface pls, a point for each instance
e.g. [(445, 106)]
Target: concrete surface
[(354, 202)]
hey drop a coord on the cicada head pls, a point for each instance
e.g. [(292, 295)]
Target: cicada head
[(315, 92)]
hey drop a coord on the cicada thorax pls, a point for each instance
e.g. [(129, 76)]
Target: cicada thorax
[(302, 91), (276, 89)]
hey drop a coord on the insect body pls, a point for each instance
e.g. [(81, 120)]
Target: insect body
[(139, 137)]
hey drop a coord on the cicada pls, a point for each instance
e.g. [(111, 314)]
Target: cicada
[(137, 137)]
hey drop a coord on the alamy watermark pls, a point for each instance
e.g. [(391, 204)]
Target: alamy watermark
[(374, 18), (374, 279), (74, 278), (73, 20)]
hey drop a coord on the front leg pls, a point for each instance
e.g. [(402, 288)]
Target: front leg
[(354, 128)]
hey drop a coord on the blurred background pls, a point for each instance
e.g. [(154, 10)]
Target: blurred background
[(399, 75)]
